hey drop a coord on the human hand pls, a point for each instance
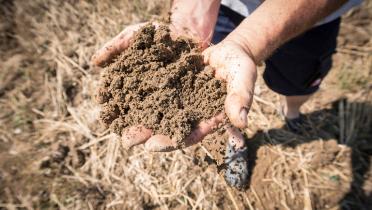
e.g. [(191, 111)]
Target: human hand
[(115, 46), (195, 19), (225, 70), (139, 134), (122, 41), (233, 65)]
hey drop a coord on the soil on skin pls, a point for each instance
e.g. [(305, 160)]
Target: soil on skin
[(161, 83)]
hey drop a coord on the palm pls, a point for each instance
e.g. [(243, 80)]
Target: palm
[(231, 64), (234, 66)]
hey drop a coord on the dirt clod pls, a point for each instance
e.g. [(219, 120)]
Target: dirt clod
[(161, 83)]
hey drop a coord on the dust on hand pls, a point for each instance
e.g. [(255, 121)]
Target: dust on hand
[(161, 83)]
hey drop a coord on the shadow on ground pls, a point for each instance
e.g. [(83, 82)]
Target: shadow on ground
[(328, 124)]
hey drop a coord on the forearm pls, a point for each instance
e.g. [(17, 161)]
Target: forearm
[(200, 16), (277, 21)]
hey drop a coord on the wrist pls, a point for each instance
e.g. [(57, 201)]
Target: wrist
[(232, 46), (198, 17), (257, 35), (244, 45)]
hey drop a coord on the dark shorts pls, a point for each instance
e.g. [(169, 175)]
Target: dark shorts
[(297, 67)]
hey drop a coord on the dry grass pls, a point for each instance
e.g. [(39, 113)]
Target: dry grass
[(50, 119)]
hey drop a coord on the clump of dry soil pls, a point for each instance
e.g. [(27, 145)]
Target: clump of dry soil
[(161, 83)]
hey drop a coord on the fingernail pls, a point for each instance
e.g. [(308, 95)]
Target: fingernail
[(158, 148), (93, 59), (243, 115), (148, 147), (127, 147), (126, 143), (151, 147)]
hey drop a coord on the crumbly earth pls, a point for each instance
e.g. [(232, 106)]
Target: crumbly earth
[(161, 83)]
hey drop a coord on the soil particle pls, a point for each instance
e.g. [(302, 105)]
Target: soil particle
[(161, 83)]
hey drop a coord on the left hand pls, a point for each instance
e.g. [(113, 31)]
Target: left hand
[(233, 65)]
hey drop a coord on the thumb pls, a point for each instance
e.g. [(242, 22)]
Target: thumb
[(162, 143), (239, 71), (239, 97)]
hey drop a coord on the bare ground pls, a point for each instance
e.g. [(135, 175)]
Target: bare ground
[(54, 154)]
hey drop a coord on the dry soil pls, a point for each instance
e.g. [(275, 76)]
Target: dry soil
[(161, 83)]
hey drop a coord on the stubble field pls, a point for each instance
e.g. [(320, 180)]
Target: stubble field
[(55, 155)]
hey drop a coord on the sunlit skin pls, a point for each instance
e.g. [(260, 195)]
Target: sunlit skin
[(234, 59), (233, 70)]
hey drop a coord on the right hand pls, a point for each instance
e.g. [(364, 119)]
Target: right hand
[(195, 19), (115, 46), (122, 41)]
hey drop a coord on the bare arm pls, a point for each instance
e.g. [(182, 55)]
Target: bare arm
[(277, 21), (196, 18), (199, 16)]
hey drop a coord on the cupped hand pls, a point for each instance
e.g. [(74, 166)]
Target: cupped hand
[(233, 65), (230, 63), (116, 45), (122, 41)]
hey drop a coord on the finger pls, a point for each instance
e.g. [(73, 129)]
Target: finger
[(178, 29), (160, 143), (236, 159), (235, 138), (241, 79), (217, 66), (239, 71), (207, 41), (115, 46), (203, 129), (135, 135), (207, 54)]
